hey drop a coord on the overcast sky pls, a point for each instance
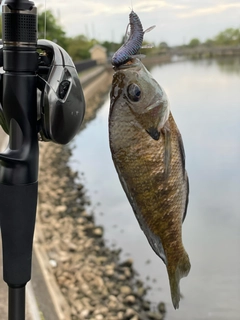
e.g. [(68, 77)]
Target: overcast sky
[(177, 21)]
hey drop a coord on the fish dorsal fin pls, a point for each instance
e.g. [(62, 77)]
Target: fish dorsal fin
[(149, 29)]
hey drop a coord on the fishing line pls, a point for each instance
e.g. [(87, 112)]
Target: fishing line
[(48, 84), (45, 20), (132, 5)]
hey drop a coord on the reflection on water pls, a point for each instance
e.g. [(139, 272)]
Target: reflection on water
[(229, 65), (205, 101)]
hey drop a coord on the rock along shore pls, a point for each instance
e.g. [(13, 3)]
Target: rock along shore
[(93, 283)]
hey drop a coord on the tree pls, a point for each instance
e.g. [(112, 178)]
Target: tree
[(54, 31), (229, 36), (110, 46), (163, 44), (194, 43), (209, 43), (79, 46)]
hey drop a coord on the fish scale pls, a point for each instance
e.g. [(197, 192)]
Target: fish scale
[(151, 167)]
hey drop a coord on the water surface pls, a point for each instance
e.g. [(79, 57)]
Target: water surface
[(205, 102)]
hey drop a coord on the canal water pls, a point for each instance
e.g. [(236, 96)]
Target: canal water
[(205, 102)]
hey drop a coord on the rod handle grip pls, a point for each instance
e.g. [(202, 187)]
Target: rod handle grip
[(17, 221)]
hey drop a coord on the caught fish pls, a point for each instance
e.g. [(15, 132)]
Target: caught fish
[(148, 154), (134, 42)]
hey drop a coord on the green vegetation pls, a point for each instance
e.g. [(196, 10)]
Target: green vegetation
[(194, 43), (79, 46), (228, 37), (54, 30), (111, 46)]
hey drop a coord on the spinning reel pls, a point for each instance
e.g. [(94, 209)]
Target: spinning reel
[(60, 103)]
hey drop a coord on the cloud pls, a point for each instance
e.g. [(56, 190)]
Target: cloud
[(177, 21), (153, 5), (209, 10), (112, 7)]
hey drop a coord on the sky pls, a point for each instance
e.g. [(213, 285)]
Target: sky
[(177, 21)]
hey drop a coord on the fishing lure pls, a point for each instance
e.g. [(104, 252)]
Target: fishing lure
[(134, 42)]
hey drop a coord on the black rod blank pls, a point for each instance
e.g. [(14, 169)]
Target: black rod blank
[(16, 303)]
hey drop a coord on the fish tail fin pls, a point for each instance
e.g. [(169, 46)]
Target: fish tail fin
[(175, 274)]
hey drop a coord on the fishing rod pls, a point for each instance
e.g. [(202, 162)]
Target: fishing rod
[(19, 162), (27, 77)]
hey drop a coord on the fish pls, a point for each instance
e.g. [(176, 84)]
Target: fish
[(133, 43), (149, 157)]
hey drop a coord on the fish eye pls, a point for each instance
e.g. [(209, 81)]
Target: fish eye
[(134, 92)]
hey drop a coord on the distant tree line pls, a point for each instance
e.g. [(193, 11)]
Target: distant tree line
[(78, 47), (228, 37)]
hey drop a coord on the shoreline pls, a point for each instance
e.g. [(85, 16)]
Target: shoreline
[(86, 278)]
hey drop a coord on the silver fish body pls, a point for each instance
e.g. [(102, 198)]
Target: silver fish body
[(148, 154)]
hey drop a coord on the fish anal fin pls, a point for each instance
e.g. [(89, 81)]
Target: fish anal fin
[(155, 242)]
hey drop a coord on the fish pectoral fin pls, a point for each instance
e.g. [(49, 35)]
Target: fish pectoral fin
[(175, 275), (166, 133)]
